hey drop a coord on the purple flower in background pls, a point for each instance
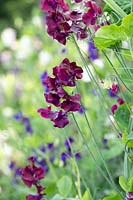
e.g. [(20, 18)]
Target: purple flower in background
[(78, 155), (50, 146), (111, 94), (64, 157), (68, 143), (25, 121), (43, 148), (43, 78), (12, 165), (93, 51), (18, 116)]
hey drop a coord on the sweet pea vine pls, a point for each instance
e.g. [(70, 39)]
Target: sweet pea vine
[(31, 175), (62, 21), (65, 74)]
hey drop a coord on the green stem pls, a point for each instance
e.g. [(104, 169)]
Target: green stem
[(110, 179), (117, 73), (93, 81), (115, 7)]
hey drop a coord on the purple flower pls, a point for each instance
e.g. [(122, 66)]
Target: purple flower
[(43, 148), (78, 155), (50, 146), (93, 51), (18, 171), (68, 143), (43, 78), (18, 116), (12, 165), (64, 157), (111, 94)]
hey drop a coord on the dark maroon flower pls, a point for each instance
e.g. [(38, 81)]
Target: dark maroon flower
[(129, 196), (45, 113), (33, 197), (32, 174), (70, 106), (78, 1), (67, 72), (50, 83), (60, 119), (120, 101), (57, 27), (114, 108), (52, 98), (81, 34), (52, 5), (114, 88), (90, 17)]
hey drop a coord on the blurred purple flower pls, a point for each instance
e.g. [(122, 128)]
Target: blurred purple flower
[(78, 155), (50, 146), (93, 51), (12, 165), (43, 78)]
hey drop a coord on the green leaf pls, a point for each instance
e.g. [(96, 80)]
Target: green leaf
[(64, 185), (113, 197), (122, 116), (127, 25), (57, 197), (130, 182), (123, 183), (86, 196), (126, 138), (107, 36)]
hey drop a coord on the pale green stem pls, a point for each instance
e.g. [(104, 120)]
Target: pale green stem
[(115, 7), (109, 180), (117, 73)]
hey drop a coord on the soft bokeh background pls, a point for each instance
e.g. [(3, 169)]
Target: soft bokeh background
[(26, 51)]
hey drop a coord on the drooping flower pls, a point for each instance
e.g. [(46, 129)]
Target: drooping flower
[(31, 175), (114, 108), (90, 17), (120, 101)]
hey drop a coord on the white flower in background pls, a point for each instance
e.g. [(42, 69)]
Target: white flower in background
[(8, 37), (25, 47), (44, 58), (5, 57), (36, 20), (99, 63), (87, 74)]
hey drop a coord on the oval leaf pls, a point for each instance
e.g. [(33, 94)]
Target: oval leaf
[(64, 185)]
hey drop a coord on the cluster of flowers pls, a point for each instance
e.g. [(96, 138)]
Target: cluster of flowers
[(113, 92), (129, 196), (62, 21), (25, 121), (31, 175), (65, 74), (68, 153)]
